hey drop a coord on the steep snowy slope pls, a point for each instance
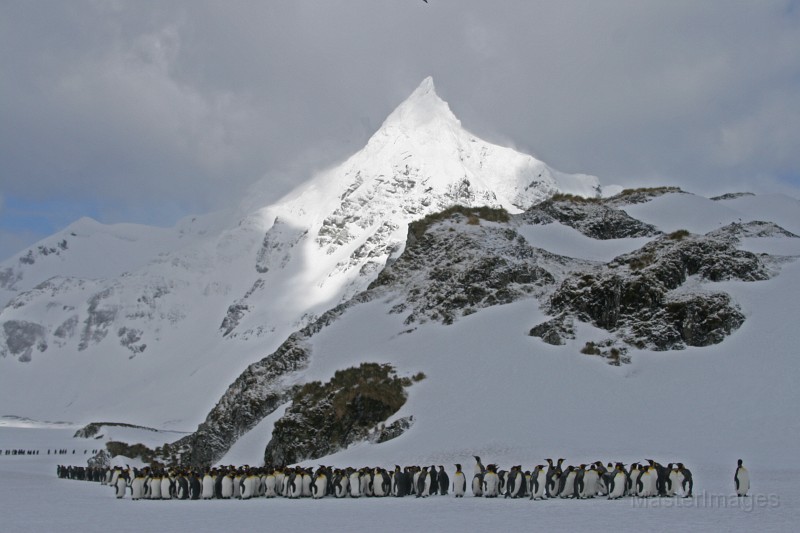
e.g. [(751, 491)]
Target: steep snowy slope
[(494, 391), (150, 326)]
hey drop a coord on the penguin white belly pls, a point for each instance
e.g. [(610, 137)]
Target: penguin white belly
[(320, 486), (120, 487), (491, 485), (155, 488), (568, 490), (477, 486), (281, 484), (296, 490), (137, 488), (591, 479), (165, 493), (355, 485), (634, 482), (270, 483), (743, 476), (344, 487), (539, 486), (377, 486), (618, 490), (208, 487), (648, 484), (249, 487), (459, 484), (226, 487), (675, 482), (366, 488), (306, 486)]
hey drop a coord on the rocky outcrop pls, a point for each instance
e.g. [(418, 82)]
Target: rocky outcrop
[(591, 216), (465, 259), (325, 418), (637, 295), (22, 337)]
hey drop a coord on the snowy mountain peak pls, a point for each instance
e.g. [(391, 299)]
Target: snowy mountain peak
[(421, 109)]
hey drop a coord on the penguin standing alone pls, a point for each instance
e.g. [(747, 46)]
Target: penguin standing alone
[(742, 479)]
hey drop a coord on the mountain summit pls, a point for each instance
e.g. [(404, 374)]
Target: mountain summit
[(422, 109), (212, 296)]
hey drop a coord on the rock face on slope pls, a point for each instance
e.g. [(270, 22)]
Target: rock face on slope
[(464, 259), (595, 218), (642, 296), (325, 418)]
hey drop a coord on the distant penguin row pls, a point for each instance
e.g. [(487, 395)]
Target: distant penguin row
[(551, 480)]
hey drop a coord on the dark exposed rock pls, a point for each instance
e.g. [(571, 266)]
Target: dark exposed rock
[(731, 196), (634, 295), (235, 313), (591, 217), (129, 338), (457, 261), (392, 431), (556, 330), (22, 337), (9, 278), (67, 328), (641, 195), (100, 316), (93, 428), (325, 418)]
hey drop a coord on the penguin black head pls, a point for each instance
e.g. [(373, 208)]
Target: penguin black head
[(740, 462), (458, 467)]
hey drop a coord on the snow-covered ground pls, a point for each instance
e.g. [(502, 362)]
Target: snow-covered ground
[(33, 499)]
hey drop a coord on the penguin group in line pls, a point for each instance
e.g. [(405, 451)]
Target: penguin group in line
[(554, 480), (551, 480), (230, 482)]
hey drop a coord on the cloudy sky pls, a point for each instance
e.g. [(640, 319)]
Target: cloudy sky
[(140, 111)]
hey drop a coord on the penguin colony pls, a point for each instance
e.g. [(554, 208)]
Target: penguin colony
[(551, 480)]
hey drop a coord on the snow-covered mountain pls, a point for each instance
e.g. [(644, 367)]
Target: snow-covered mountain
[(151, 325), (517, 322)]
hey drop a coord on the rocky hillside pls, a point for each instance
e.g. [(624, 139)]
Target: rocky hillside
[(661, 296)]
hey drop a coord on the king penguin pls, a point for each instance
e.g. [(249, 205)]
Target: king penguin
[(459, 482), (742, 479), (477, 479), (618, 483), (121, 485), (443, 480)]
